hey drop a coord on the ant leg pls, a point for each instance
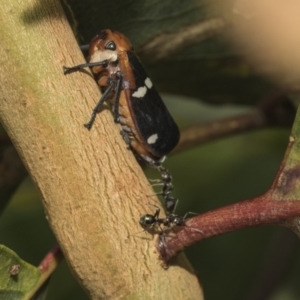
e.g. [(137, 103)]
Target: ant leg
[(189, 213)]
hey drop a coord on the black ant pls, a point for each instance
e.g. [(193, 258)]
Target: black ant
[(172, 220), (167, 187), (149, 221)]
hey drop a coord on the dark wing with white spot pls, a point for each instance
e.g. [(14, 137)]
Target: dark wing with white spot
[(151, 115)]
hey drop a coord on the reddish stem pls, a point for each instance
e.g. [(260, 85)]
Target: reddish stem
[(47, 267), (50, 261), (258, 211)]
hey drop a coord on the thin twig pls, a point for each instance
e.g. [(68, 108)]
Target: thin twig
[(274, 110), (167, 44), (202, 133)]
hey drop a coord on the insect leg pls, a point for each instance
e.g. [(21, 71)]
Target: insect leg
[(126, 138), (117, 97), (189, 213), (68, 70), (98, 107), (156, 182), (84, 47)]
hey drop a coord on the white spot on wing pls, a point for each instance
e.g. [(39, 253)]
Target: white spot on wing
[(148, 83), (152, 139), (140, 92)]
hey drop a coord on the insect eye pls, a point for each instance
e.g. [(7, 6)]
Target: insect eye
[(110, 46)]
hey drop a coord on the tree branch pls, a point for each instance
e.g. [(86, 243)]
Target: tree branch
[(92, 188), (256, 212)]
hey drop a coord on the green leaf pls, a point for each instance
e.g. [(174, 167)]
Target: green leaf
[(17, 277)]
